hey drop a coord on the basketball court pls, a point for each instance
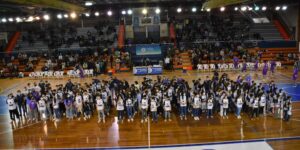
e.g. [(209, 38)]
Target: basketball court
[(134, 40), (217, 133)]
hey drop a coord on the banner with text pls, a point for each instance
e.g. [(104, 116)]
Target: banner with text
[(148, 49)]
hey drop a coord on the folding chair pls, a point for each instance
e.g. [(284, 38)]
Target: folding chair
[(220, 66), (231, 66), (50, 74), (212, 66), (200, 67), (91, 72), (205, 67)]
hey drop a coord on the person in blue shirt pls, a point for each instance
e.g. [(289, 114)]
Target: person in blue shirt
[(21, 104), (69, 107)]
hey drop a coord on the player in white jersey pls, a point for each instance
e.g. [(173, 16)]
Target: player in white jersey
[(153, 109), (12, 107), (239, 105), (170, 92), (183, 106), (87, 108), (262, 104), (255, 107), (86, 97), (55, 104), (144, 107), (48, 101), (203, 103), (167, 108), (196, 107), (129, 109), (79, 105), (42, 109), (225, 104), (100, 109), (104, 96), (120, 109), (210, 106)]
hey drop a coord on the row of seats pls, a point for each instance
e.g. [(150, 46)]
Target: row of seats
[(230, 66)]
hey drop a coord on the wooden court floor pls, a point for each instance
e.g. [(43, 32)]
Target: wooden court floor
[(90, 134)]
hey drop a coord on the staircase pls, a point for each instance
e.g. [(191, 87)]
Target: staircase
[(267, 30), (281, 30), (12, 42), (121, 36), (186, 62), (40, 64)]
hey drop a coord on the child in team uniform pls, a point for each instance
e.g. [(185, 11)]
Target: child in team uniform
[(160, 99), (57, 114), (120, 109), (129, 109), (196, 107), (100, 109), (225, 104), (239, 105), (183, 106), (255, 107), (42, 109), (79, 105), (203, 103), (286, 109), (278, 106), (48, 101), (265, 70), (262, 104), (153, 109), (32, 109), (167, 108), (105, 100), (210, 106), (295, 76), (12, 107), (144, 107), (69, 107), (87, 108)]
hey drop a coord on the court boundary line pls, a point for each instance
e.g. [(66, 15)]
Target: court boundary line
[(149, 137), (193, 144), (25, 126), (296, 120)]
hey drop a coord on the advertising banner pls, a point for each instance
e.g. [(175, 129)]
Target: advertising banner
[(154, 70), (148, 49), (140, 70)]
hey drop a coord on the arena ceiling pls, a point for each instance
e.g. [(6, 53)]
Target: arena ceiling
[(11, 7)]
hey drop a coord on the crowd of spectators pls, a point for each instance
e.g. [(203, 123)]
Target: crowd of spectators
[(10, 64), (99, 60), (213, 28), (64, 35), (208, 38)]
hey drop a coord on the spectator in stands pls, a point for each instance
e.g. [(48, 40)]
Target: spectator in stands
[(295, 57), (147, 62), (2, 73), (167, 63), (29, 67), (45, 68), (118, 64), (290, 56)]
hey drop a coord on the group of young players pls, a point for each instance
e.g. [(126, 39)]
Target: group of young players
[(159, 98)]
